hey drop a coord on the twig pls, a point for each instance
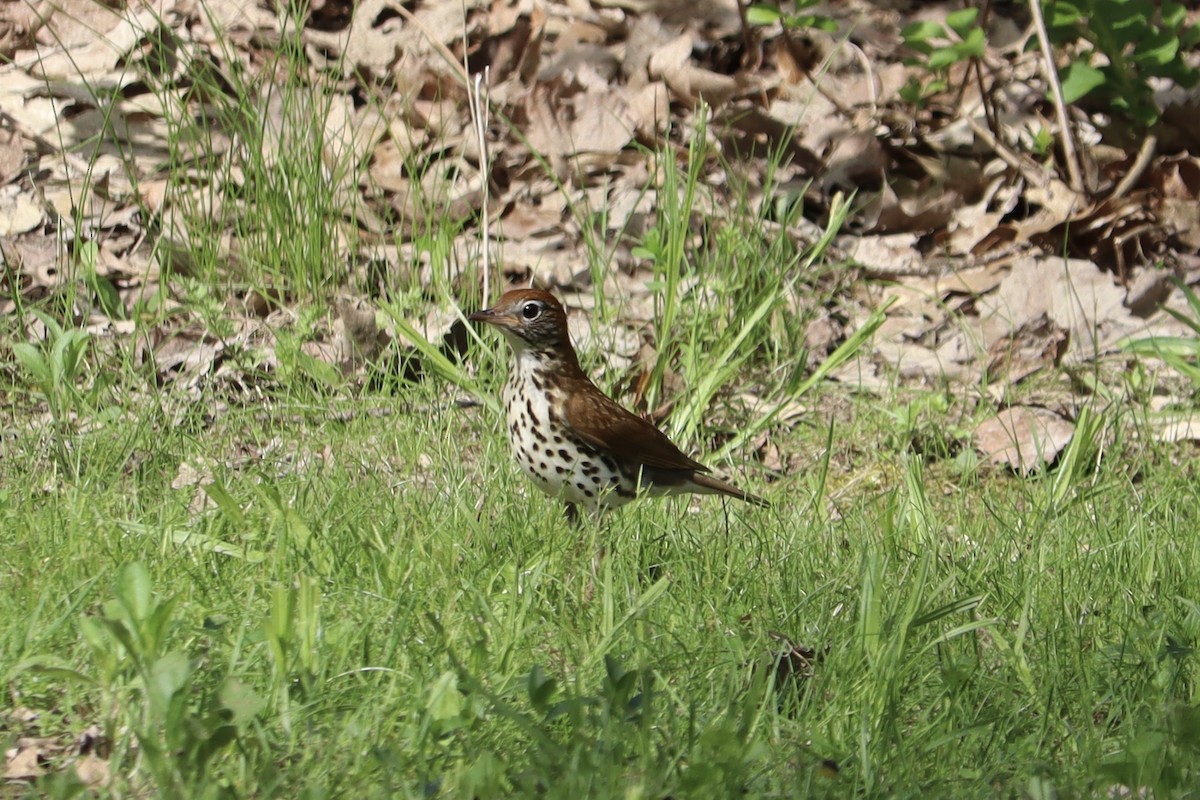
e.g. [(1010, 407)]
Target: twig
[(1006, 155), (821, 70), (435, 43), (1144, 156), (478, 94), (1074, 171)]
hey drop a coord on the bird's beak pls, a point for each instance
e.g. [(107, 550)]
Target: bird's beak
[(490, 316)]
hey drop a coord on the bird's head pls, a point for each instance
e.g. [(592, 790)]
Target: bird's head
[(531, 320)]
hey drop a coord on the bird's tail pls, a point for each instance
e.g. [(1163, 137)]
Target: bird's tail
[(706, 484)]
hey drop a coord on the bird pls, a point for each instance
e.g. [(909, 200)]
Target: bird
[(573, 441)]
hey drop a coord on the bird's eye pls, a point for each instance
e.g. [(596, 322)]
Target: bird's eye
[(531, 310)]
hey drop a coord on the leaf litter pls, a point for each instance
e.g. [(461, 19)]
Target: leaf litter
[(1003, 274), (953, 214)]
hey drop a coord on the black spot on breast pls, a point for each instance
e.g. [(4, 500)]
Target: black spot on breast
[(549, 453), (588, 493), (564, 455), (529, 410), (608, 462), (596, 479), (561, 470), (558, 439), (537, 434)]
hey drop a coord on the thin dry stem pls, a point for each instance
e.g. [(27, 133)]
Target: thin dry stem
[(1074, 171), (478, 94)]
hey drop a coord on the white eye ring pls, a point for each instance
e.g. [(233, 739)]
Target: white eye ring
[(531, 311)]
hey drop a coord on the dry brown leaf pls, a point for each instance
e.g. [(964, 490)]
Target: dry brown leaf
[(525, 220), (671, 56), (1023, 438), (648, 109), (903, 204), (188, 352), (20, 212), (1179, 179), (12, 155), (189, 474), (914, 361), (370, 45), (672, 63), (977, 222), (93, 771), (887, 256), (854, 160), (863, 374), (1075, 294), (89, 39), (1037, 344), (24, 762), (1056, 203), (596, 121), (20, 20)]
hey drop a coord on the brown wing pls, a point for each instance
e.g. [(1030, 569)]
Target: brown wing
[(602, 423)]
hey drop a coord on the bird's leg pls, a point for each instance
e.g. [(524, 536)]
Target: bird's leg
[(573, 514)]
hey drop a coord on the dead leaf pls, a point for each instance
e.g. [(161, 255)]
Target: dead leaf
[(20, 212), (887, 256), (24, 762), (93, 771), (1075, 294), (93, 39), (1037, 344), (12, 155), (1177, 427), (1023, 438)]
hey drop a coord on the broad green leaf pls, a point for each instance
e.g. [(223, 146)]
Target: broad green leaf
[(923, 31), (436, 361), (51, 667), (168, 677), (804, 22), (974, 43), (962, 20), (1078, 79), (107, 296), (1064, 14), (319, 371), (134, 590), (1174, 15), (760, 14), (445, 700), (1164, 346), (31, 359), (1127, 21), (1157, 50), (241, 700), (217, 492)]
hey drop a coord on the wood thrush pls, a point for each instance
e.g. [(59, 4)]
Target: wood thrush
[(573, 441)]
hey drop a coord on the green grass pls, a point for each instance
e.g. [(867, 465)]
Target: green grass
[(278, 586), (376, 605)]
